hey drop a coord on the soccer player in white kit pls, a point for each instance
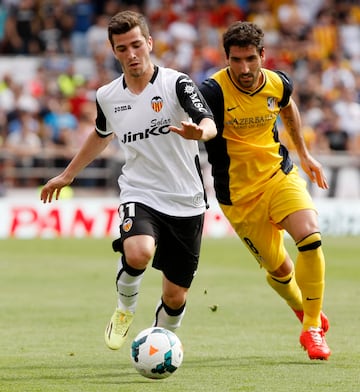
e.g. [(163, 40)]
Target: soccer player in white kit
[(157, 114)]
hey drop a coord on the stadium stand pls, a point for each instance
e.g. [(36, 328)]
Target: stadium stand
[(55, 54)]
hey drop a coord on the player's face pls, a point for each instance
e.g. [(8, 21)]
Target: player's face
[(132, 51), (245, 64)]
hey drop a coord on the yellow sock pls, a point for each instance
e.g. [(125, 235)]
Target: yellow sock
[(287, 288), (310, 276)]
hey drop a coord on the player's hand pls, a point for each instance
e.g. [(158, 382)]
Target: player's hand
[(53, 188), (189, 130), (315, 172)]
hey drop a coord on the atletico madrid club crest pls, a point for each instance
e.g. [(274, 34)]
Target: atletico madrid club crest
[(271, 103)]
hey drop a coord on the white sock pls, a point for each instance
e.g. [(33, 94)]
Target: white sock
[(168, 318), (128, 286)]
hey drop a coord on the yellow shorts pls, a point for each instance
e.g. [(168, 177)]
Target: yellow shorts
[(256, 222)]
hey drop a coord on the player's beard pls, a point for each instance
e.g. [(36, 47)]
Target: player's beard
[(140, 70), (136, 72), (249, 81)]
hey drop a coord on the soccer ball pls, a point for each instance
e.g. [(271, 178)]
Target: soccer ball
[(156, 352)]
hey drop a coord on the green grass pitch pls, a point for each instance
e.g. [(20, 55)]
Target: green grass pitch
[(57, 296)]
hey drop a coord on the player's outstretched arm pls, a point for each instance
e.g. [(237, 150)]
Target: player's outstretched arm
[(206, 130), (92, 147)]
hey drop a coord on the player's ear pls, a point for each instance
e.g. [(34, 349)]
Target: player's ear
[(262, 54), (150, 43)]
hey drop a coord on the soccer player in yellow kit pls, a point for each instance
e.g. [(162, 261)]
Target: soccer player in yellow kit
[(258, 186)]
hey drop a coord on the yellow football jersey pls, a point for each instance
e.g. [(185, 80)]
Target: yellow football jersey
[(247, 153)]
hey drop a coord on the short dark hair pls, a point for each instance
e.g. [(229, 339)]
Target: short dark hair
[(125, 21), (243, 34)]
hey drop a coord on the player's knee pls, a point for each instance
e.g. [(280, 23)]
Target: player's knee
[(310, 242), (138, 258), (138, 253)]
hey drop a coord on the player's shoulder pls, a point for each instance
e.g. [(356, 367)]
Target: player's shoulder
[(173, 74), (216, 79), (213, 85), (280, 76), (168, 71), (280, 81), (110, 87)]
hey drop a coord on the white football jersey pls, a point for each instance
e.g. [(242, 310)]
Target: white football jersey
[(161, 169)]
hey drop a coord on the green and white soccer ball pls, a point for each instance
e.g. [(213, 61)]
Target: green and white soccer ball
[(156, 353)]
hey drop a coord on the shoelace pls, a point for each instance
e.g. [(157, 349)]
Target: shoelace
[(121, 323), (316, 337)]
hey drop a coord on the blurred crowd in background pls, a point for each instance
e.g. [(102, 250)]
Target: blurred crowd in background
[(47, 103)]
